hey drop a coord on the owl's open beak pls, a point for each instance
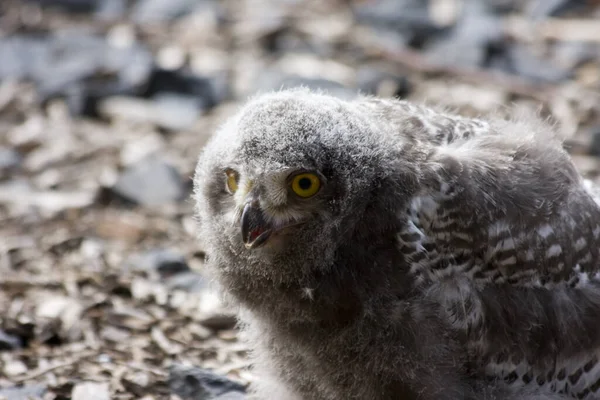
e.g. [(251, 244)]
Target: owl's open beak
[(255, 229)]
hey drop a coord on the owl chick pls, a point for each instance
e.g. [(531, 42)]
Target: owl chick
[(383, 250)]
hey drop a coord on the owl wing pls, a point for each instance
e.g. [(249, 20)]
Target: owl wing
[(503, 203), (502, 207)]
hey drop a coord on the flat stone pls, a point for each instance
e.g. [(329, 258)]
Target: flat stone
[(410, 17), (72, 6), (193, 383), (554, 8), (90, 391), (150, 182), (467, 43), (28, 392), (273, 80), (535, 68), (166, 262), (189, 281), (9, 160), (208, 91), (9, 341), (75, 65), (374, 81), (169, 111), (153, 11)]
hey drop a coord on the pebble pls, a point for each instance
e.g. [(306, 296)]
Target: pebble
[(538, 69), (467, 43), (189, 281), (272, 80), (156, 11), (194, 383), (166, 262), (28, 392), (150, 182), (90, 391), (72, 6), (9, 160), (411, 17), (173, 112), (374, 81), (75, 65), (9, 341), (14, 368), (554, 8), (208, 91)]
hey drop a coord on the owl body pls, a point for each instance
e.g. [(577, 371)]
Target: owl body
[(384, 250)]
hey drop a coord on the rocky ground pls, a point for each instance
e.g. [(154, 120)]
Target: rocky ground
[(105, 105)]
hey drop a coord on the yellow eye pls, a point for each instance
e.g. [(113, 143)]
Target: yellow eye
[(306, 185), (232, 180)]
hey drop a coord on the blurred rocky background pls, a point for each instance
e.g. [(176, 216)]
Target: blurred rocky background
[(105, 105)]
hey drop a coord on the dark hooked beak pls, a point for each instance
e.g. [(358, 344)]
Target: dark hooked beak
[(255, 229)]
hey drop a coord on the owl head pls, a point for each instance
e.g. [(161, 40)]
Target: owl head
[(295, 182)]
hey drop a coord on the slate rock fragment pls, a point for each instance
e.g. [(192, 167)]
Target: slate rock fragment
[(155, 11), (410, 18), (72, 6), (535, 68), (28, 392), (150, 182), (166, 262), (275, 80), (91, 391), (555, 8), (190, 281), (9, 341), (467, 43), (374, 81), (75, 65), (595, 141), (170, 111), (10, 160), (193, 383), (207, 91)]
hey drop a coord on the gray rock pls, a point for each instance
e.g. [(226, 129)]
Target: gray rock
[(554, 8), (170, 111), (467, 44), (30, 392), (208, 91), (571, 54), (177, 111), (111, 9), (411, 18), (232, 396), (9, 342), (275, 80), (218, 321), (90, 391), (504, 6), (595, 142), (528, 65), (152, 11), (189, 281), (192, 383), (9, 160), (72, 6), (75, 65), (150, 182), (374, 81), (165, 261)]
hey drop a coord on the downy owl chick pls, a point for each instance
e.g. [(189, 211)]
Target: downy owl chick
[(383, 250)]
